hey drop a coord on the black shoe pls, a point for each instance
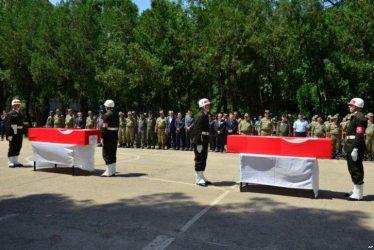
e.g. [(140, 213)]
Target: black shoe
[(208, 183), (19, 165), (346, 195), (13, 166), (202, 185)]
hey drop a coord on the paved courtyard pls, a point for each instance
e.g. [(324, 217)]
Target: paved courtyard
[(153, 203)]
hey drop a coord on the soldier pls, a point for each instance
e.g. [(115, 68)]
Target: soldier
[(180, 132), (312, 124), (142, 130), (356, 147), (110, 139), (319, 130), (121, 130), (14, 133), (369, 136), (266, 124), (333, 132), (136, 134), (212, 132), (245, 126), (151, 123), (327, 122), (49, 123), (90, 121), (130, 126), (343, 127), (160, 129), (283, 127), (69, 119), (58, 120), (220, 128), (200, 141), (189, 120)]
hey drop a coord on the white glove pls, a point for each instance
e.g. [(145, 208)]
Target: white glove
[(354, 154), (10, 138), (199, 148), (14, 127)]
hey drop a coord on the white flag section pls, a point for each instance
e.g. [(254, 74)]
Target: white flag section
[(280, 171), (48, 154)]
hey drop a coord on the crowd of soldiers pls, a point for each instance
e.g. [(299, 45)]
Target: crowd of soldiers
[(166, 132)]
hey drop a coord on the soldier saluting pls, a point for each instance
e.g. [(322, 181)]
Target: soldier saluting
[(110, 139), (200, 141), (14, 133), (356, 147)]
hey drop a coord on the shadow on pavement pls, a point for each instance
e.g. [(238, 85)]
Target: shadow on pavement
[(46, 221)]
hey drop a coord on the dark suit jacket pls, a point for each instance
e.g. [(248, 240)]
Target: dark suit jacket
[(171, 125)]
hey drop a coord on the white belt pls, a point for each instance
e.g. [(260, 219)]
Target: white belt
[(205, 133), (349, 137), (112, 129)]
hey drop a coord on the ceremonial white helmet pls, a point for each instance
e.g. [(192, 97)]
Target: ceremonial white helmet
[(109, 103), (357, 102), (203, 102), (16, 102)]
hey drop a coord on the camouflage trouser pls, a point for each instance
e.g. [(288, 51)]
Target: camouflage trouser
[(130, 136), (121, 135), (265, 133), (335, 143), (369, 141), (161, 138), (150, 138)]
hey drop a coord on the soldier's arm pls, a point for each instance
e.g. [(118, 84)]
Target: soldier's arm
[(361, 125)]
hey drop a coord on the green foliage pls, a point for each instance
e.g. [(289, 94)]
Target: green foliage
[(287, 56)]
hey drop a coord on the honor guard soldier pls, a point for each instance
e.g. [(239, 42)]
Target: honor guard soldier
[(356, 147), (14, 133), (110, 139), (200, 141)]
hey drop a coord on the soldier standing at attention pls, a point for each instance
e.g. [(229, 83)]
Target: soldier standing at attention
[(121, 130), (69, 119), (14, 134), (283, 127), (319, 130), (90, 121), (369, 136), (312, 125), (327, 122), (245, 126), (49, 123), (200, 141), (343, 127), (130, 126), (266, 124), (58, 120), (110, 139), (161, 127), (151, 123), (333, 132), (356, 147)]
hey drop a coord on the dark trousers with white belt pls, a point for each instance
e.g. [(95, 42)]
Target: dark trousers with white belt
[(356, 168), (200, 157), (15, 145), (110, 140)]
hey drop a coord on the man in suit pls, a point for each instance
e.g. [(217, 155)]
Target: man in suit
[(189, 120), (171, 130), (180, 131), (220, 129)]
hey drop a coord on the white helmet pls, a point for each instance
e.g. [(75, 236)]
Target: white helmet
[(109, 103), (16, 102), (203, 102), (357, 102)]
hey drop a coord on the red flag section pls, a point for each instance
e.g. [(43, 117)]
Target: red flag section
[(282, 146), (63, 136)]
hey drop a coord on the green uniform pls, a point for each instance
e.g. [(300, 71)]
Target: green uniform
[(49, 123), (130, 126), (334, 134), (161, 134), (69, 121), (319, 130), (151, 123), (369, 138), (266, 126), (58, 121), (283, 129), (246, 127), (311, 127), (122, 131), (90, 123)]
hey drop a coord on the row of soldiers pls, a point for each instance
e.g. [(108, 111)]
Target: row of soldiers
[(145, 131)]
